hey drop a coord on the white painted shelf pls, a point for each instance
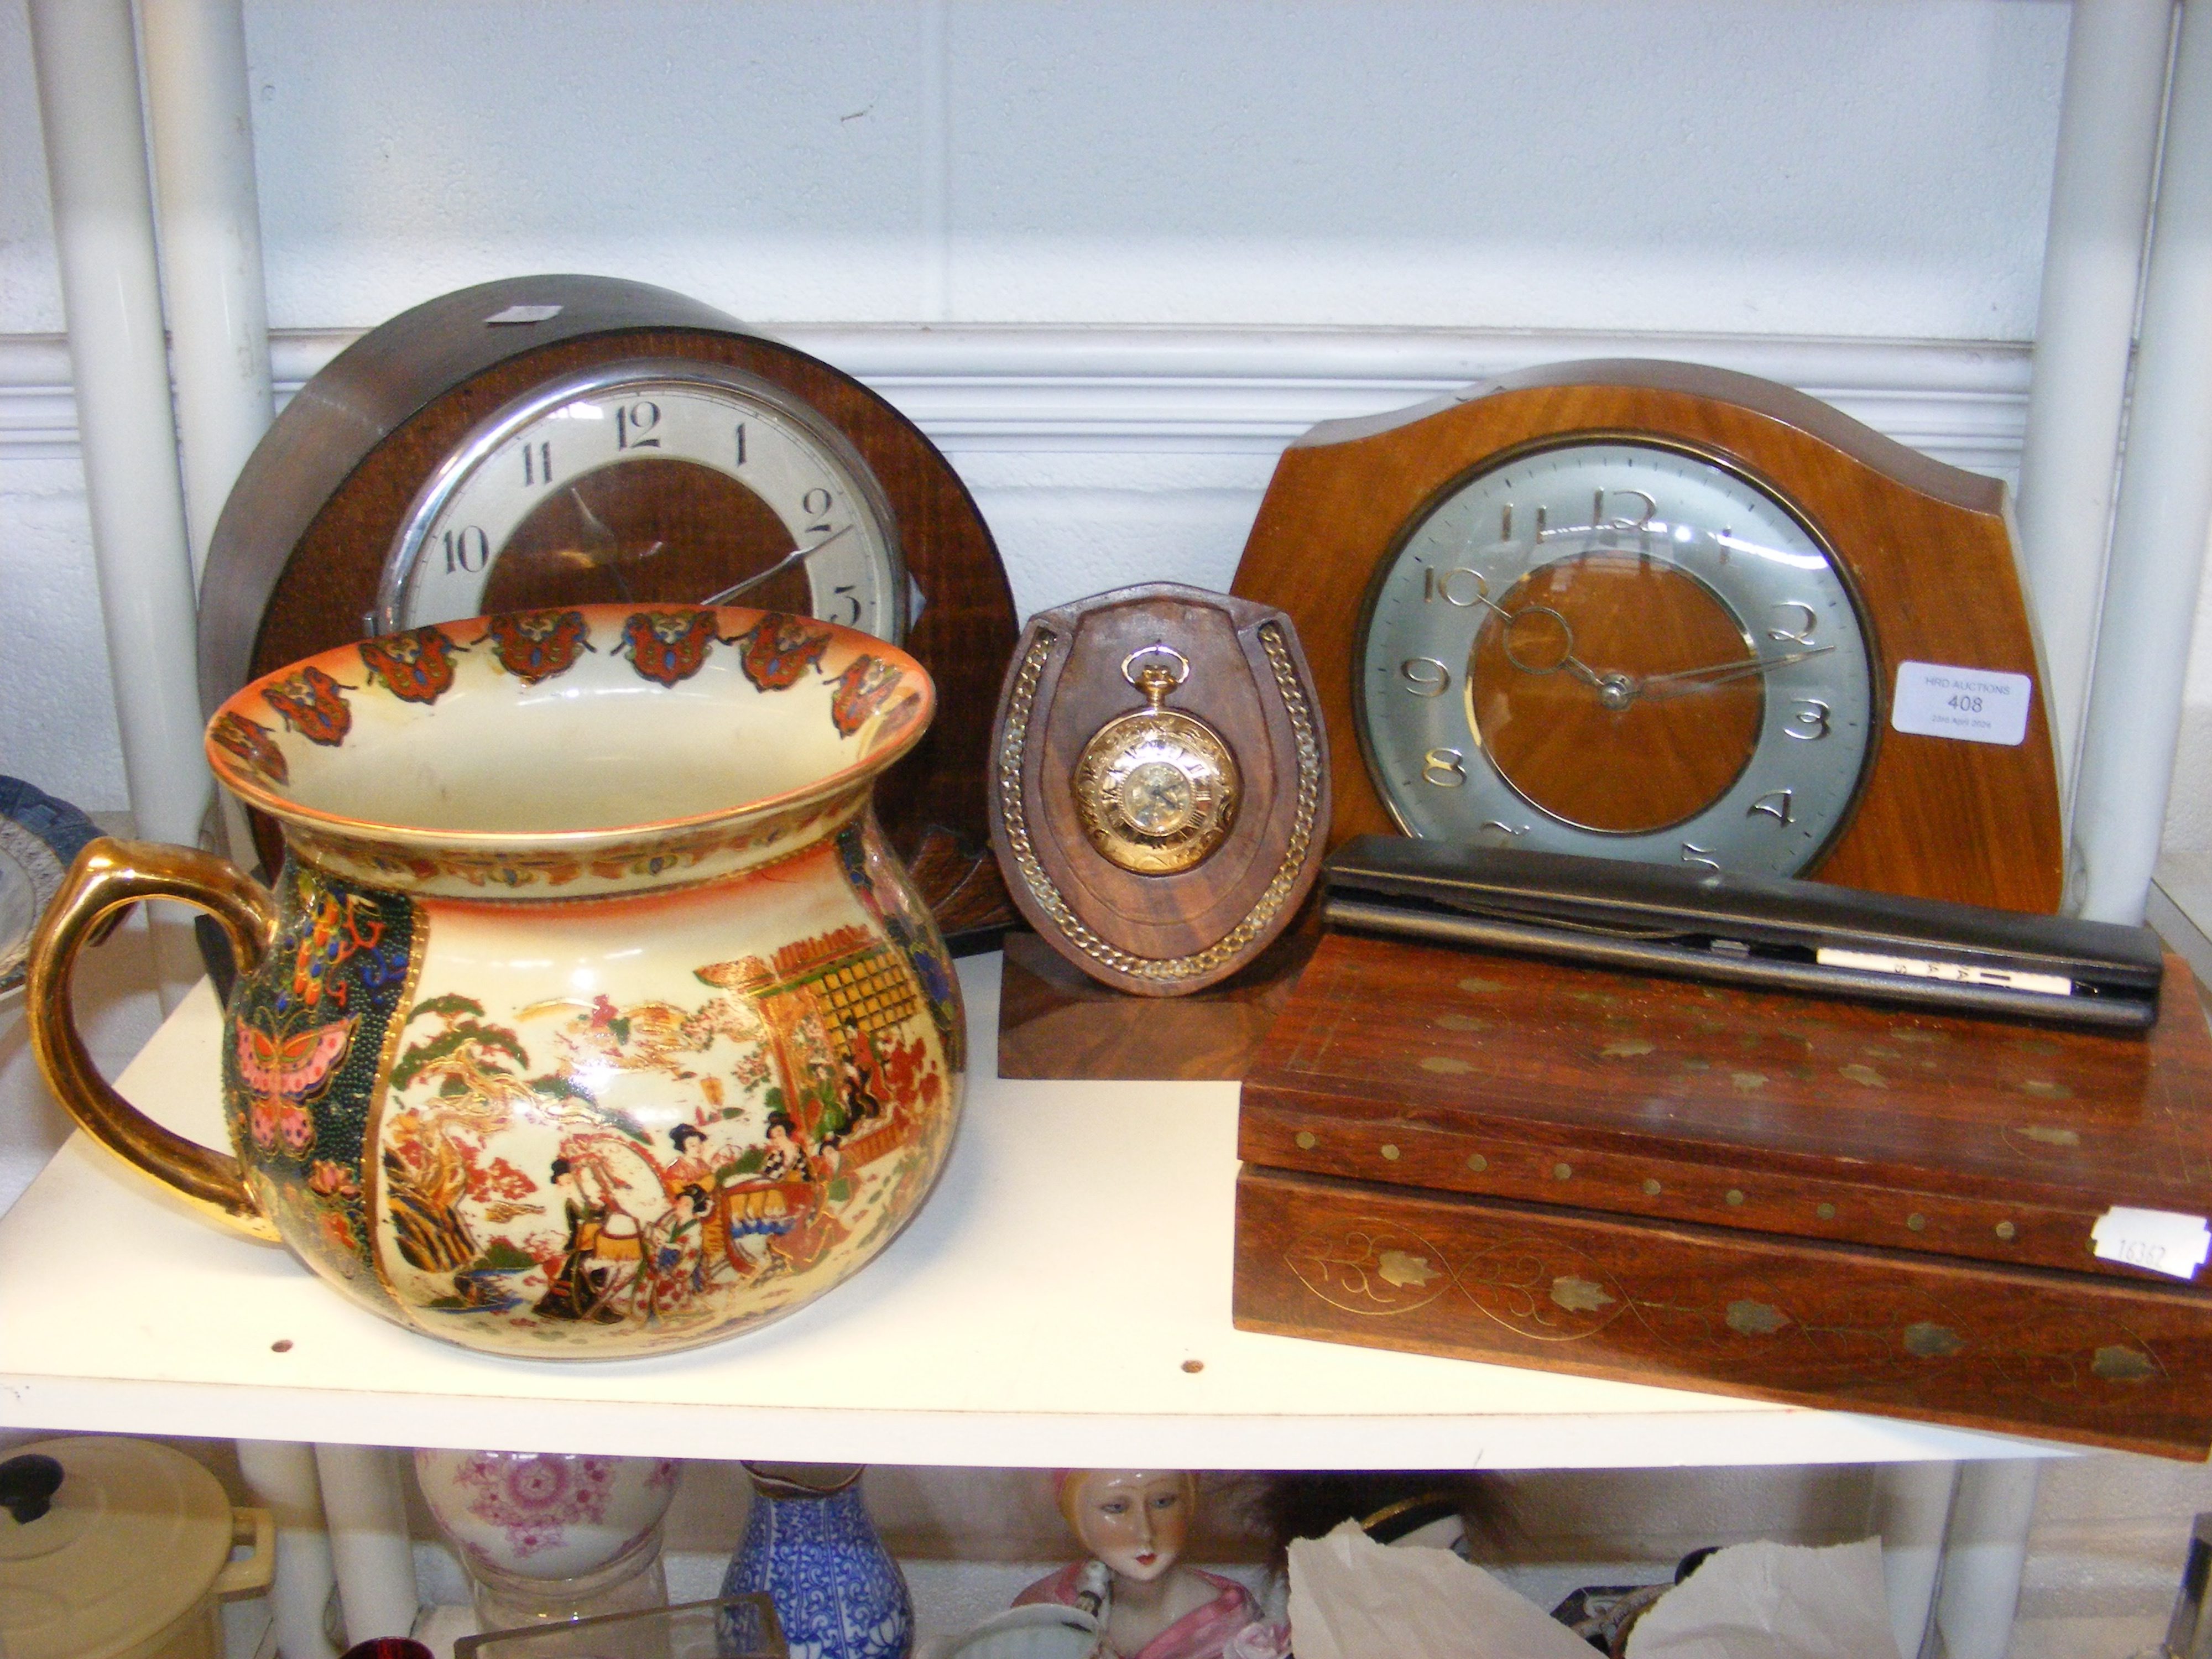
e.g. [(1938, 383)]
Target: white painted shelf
[(1041, 1310)]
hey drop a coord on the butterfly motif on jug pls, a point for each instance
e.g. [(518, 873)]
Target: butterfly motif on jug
[(776, 651), (668, 647), (416, 666), (537, 644), (299, 1074), (867, 686), (249, 741), (313, 704)]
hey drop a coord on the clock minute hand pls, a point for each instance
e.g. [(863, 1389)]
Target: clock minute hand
[(1683, 681), (796, 556)]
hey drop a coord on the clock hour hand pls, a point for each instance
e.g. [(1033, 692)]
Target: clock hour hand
[(1683, 681), (796, 556), (605, 551), (1549, 661)]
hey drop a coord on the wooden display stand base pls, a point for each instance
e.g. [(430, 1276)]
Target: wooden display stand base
[(1054, 1021)]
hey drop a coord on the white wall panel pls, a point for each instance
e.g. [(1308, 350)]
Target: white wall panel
[(1870, 169), (1811, 167), (1072, 524), (1851, 166), (56, 709), (30, 274), (1844, 167), (765, 156)]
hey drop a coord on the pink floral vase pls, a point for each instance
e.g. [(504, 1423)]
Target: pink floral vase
[(579, 1525)]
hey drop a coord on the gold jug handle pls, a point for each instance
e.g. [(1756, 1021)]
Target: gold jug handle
[(108, 876)]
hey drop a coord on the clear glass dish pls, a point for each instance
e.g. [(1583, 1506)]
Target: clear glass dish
[(728, 1627)]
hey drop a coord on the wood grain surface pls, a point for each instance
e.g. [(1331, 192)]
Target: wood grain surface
[(299, 549), (1157, 935), (1925, 549), (2064, 1356), (1055, 1021), (1510, 1076), (1631, 770)]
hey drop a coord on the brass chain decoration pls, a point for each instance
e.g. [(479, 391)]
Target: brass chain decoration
[(1011, 750)]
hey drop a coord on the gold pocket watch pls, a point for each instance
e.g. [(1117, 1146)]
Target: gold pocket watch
[(1159, 849), (1156, 790)]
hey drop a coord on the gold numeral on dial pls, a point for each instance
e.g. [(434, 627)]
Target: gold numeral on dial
[(1425, 676), (1693, 854), (1775, 804), (1444, 768), (1639, 519), (1458, 587), (1808, 721), (1782, 634)]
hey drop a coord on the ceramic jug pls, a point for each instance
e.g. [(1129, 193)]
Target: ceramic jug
[(812, 1546), (592, 1016)]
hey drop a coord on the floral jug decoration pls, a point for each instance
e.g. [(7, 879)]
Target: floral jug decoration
[(590, 1016)]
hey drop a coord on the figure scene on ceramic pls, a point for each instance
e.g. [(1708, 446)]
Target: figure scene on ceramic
[(645, 1169)]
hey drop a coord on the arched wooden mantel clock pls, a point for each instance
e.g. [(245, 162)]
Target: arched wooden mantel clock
[(559, 440), (1656, 612)]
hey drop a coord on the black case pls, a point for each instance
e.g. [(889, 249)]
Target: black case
[(1743, 929)]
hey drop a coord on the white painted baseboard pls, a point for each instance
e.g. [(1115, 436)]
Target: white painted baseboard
[(1228, 390)]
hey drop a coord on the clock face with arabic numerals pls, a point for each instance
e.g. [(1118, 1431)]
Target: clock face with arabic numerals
[(1656, 610), (556, 440), (643, 479), (1616, 647)]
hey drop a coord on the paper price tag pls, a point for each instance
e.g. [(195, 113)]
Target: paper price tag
[(525, 314), (1976, 705), (2158, 1240)]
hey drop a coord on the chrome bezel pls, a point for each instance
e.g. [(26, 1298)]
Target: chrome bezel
[(1668, 844), (496, 429)]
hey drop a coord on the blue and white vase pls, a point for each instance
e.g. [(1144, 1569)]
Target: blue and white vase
[(809, 1544)]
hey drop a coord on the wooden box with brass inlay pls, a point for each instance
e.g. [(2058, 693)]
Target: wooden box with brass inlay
[(1828, 1203)]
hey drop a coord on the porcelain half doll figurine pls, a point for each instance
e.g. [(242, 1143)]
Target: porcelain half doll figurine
[(1133, 1524)]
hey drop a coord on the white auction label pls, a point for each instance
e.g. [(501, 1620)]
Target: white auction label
[(1977, 705), (525, 314), (2159, 1240)]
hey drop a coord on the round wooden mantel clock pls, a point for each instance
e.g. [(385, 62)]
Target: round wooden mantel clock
[(554, 440), (1656, 611)]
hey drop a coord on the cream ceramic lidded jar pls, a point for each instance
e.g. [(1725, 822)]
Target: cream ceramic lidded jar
[(592, 1016)]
